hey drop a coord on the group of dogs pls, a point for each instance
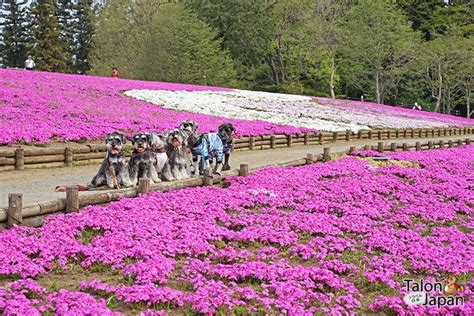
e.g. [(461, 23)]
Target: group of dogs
[(173, 155)]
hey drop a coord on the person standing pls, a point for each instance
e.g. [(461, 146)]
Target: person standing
[(115, 73), (30, 63), (417, 106)]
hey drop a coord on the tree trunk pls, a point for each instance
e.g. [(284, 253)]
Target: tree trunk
[(377, 87), (440, 89), (280, 61), (468, 99), (331, 82), (271, 63)]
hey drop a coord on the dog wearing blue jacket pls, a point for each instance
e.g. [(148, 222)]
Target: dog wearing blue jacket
[(204, 148), (208, 146)]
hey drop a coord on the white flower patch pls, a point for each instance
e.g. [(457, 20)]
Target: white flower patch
[(285, 109)]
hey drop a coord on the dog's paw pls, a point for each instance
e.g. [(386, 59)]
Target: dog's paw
[(226, 167)]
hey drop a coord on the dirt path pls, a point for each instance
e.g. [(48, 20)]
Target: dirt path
[(38, 185)]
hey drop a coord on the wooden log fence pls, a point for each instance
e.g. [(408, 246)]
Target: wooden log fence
[(68, 156), (33, 214)]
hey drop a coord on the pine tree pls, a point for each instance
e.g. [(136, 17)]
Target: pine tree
[(13, 35), (48, 49), (85, 29), (65, 13)]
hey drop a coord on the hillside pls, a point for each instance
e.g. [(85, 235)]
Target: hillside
[(40, 107)]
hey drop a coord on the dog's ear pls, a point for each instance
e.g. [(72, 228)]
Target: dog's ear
[(148, 138), (108, 136)]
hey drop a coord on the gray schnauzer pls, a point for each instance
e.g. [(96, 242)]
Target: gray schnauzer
[(113, 172), (157, 146), (190, 127), (142, 164), (226, 133), (177, 165)]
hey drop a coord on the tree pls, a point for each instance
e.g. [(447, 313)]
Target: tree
[(442, 60), (326, 33), (454, 18), (65, 13), (381, 39), (173, 44), (183, 48), (48, 49), (121, 31), (244, 27), (420, 13), (84, 29), (13, 35)]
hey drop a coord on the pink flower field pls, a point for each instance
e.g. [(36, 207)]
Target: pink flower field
[(40, 107), (37, 107), (333, 238)]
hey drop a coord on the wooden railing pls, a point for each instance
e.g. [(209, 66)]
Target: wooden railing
[(34, 158), (33, 214)]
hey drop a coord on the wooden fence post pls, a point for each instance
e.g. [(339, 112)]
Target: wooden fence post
[(418, 146), (459, 142), (450, 144), (19, 159), (379, 134), (441, 144), (15, 205), (348, 135), (272, 141), (144, 185), (68, 156), (468, 141), (326, 154), (430, 144), (393, 147), (370, 134), (351, 150), (251, 142), (72, 199), (405, 147), (359, 134), (380, 147), (207, 177), (334, 137), (320, 138), (244, 170), (310, 158), (289, 140), (306, 139)]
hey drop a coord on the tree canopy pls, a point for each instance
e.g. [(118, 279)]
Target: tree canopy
[(395, 52)]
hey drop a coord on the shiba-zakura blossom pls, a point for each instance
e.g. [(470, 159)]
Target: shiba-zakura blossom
[(332, 238)]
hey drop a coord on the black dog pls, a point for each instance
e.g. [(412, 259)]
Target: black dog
[(226, 133), (113, 172), (142, 164)]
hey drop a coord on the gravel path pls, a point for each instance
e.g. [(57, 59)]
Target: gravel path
[(38, 185)]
